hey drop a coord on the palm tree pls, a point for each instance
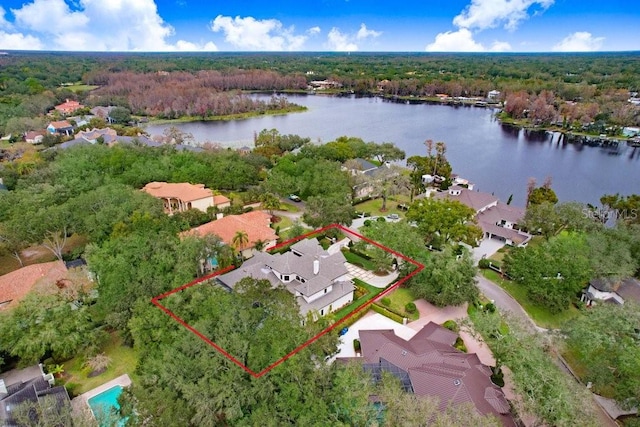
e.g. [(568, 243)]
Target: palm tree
[(259, 245), (240, 240)]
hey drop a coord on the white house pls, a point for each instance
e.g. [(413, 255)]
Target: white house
[(319, 281), (497, 220), (611, 291)]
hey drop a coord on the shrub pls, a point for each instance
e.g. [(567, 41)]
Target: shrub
[(72, 389), (459, 344), (410, 308), (490, 307), (367, 223), (451, 325), (386, 301), (381, 219), (381, 310), (484, 263), (497, 377), (356, 344)]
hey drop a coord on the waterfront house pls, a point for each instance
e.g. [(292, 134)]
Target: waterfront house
[(319, 280), (429, 365), (182, 196), (496, 219)]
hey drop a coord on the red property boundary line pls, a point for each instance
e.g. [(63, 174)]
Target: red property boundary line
[(156, 300)]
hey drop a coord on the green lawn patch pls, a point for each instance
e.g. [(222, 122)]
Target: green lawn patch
[(288, 208), (358, 260), (541, 315), (284, 222), (374, 206), (81, 88), (372, 292), (123, 361), (399, 298)]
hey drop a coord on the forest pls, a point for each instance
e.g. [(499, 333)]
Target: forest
[(543, 88)]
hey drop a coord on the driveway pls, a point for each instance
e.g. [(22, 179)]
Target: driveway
[(487, 248), (428, 313), (504, 301)]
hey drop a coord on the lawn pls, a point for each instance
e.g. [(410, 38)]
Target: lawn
[(81, 88), (541, 315), (123, 361), (358, 260), (374, 206), (399, 298), (372, 291), (283, 224)]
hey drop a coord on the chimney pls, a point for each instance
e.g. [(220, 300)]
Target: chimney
[(316, 266)]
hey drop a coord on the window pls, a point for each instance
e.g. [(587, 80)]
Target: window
[(285, 278), (325, 290)]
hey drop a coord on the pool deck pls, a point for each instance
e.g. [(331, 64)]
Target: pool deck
[(122, 380)]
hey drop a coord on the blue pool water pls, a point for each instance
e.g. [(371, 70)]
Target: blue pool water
[(104, 404)]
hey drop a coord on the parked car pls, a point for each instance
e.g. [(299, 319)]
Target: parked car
[(294, 198), (393, 216), (343, 331)]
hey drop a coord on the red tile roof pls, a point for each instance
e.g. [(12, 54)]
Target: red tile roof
[(255, 224), (16, 285), (61, 124), (219, 199), (69, 106), (183, 191)]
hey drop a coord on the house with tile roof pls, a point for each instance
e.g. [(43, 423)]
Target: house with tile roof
[(68, 107), (429, 365), (34, 136), (16, 285), (320, 281), (182, 196), (611, 290), (256, 224), (496, 219), (61, 127), (30, 386)]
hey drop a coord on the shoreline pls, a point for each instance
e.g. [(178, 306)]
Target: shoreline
[(239, 116)]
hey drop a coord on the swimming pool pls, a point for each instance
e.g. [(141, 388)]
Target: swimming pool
[(105, 406)]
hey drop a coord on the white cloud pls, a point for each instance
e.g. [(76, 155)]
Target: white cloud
[(580, 41), (313, 31), (340, 42), (18, 41), (99, 25), (498, 46), (455, 41), (4, 24), (364, 33), (254, 34), (483, 14)]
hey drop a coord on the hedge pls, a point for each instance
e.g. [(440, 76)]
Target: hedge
[(387, 313)]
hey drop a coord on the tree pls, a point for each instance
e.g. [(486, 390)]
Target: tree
[(444, 221), (270, 202), (626, 209), (385, 182), (325, 210), (120, 115), (399, 236), (604, 340), (553, 273), (447, 279), (536, 196), (385, 152), (240, 240), (42, 324)]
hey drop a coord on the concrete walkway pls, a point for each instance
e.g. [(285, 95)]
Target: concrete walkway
[(369, 277)]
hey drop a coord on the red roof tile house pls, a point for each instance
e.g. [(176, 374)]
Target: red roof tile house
[(16, 285), (429, 365), (256, 224), (180, 197), (68, 107)]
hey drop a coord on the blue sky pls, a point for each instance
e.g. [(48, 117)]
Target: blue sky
[(321, 25)]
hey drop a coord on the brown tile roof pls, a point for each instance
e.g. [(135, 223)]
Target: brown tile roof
[(255, 224), (474, 199), (435, 368), (69, 106), (183, 190), (16, 285)]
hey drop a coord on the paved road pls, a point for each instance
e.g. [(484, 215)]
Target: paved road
[(503, 300)]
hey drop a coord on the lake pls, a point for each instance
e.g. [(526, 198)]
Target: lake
[(498, 159)]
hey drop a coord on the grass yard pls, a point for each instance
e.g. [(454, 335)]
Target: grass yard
[(123, 361), (374, 206), (284, 223), (399, 298), (541, 315), (372, 291), (358, 260), (81, 88)]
